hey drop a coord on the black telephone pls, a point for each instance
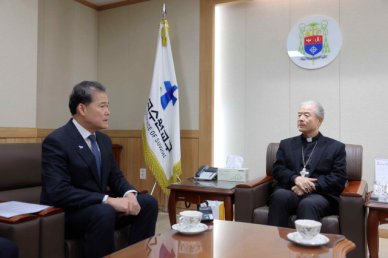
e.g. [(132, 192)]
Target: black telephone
[(206, 173)]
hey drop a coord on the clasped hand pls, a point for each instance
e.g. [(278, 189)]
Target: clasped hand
[(303, 185), (127, 205)]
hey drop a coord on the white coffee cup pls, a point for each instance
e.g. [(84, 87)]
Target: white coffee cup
[(190, 219), (308, 228)]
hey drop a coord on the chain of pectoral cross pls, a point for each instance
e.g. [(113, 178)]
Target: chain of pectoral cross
[(304, 172)]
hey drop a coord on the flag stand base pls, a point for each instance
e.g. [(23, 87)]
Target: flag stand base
[(165, 195)]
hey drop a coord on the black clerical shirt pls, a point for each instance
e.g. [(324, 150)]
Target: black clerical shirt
[(308, 147)]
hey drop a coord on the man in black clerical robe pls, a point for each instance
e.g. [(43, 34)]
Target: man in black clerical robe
[(309, 172)]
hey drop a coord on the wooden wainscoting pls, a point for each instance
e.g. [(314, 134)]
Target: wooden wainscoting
[(20, 140), (131, 156)]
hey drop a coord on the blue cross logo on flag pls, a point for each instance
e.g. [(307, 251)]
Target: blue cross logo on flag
[(169, 95)]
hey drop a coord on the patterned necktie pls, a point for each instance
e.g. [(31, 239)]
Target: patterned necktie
[(96, 153)]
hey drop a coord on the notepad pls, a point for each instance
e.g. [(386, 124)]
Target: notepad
[(13, 208)]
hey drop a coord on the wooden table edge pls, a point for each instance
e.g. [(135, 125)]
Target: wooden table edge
[(197, 189), (342, 247)]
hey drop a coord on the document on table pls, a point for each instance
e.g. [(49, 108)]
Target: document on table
[(381, 169), (13, 208)]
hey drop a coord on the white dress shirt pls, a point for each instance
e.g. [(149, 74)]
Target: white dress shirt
[(85, 134)]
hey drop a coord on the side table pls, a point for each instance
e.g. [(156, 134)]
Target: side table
[(198, 191), (378, 215)]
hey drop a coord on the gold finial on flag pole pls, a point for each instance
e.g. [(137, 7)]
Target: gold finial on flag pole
[(166, 27)]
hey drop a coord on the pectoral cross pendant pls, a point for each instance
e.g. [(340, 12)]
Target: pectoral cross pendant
[(304, 173)]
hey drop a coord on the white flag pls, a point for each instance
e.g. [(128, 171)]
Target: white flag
[(161, 129)]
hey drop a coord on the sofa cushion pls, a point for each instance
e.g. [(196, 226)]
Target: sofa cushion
[(122, 237), (260, 215), (330, 225), (20, 165), (30, 195), (74, 248)]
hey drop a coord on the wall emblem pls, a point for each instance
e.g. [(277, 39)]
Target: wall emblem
[(314, 42)]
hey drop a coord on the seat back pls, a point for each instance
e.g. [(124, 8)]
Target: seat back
[(20, 172), (353, 160)]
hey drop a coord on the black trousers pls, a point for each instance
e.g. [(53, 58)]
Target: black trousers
[(284, 203), (8, 249), (96, 224)]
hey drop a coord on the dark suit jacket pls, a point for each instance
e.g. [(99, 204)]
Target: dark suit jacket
[(70, 178), (328, 165)]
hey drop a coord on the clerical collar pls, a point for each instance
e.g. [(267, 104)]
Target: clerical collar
[(314, 139)]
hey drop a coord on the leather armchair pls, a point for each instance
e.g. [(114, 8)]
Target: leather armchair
[(251, 197), (41, 235)]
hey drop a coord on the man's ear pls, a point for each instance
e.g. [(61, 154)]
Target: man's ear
[(81, 109), (320, 120)]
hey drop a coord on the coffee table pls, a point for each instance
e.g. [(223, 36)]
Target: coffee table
[(233, 239), (198, 191)]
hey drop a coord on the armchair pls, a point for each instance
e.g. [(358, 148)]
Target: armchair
[(41, 235), (251, 197)]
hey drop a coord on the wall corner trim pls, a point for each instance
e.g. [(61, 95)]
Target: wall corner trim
[(109, 6)]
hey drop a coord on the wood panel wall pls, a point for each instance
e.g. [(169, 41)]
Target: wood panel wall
[(131, 156)]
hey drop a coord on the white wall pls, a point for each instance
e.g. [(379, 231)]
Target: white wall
[(67, 55), (50, 45), (351, 88), (229, 84), (18, 62), (126, 55)]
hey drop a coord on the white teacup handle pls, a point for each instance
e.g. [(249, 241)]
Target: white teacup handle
[(181, 221)]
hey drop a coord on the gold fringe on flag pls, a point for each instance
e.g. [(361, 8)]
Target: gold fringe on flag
[(157, 169), (166, 26)]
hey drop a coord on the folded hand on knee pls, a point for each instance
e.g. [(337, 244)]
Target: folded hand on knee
[(126, 206), (305, 184), (134, 207), (297, 190)]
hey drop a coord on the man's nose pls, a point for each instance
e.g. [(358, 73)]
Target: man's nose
[(107, 112)]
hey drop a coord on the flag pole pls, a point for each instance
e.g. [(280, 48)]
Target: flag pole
[(165, 192), (161, 140)]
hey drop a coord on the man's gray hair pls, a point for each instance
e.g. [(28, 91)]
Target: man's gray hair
[(319, 111)]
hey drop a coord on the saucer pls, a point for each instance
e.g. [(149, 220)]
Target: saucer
[(191, 231), (318, 240)]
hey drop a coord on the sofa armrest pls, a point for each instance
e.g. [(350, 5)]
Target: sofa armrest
[(18, 219), (255, 182), (355, 189), (250, 196), (49, 212), (52, 233), (353, 215), (24, 231)]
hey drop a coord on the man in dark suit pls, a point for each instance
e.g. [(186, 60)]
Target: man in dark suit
[(78, 165), (8, 249), (309, 172)]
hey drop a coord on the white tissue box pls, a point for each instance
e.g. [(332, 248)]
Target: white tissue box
[(233, 174)]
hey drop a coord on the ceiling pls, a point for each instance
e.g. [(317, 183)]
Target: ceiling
[(104, 2)]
